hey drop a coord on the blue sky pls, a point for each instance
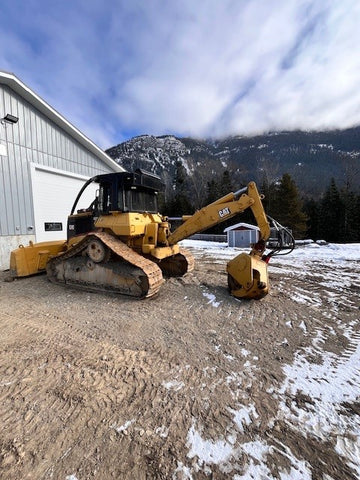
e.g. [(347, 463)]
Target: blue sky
[(202, 68)]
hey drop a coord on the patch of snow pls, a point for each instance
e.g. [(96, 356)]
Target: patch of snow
[(303, 327), (302, 296), (162, 431), (212, 299), (255, 471), (225, 452), (173, 385), (242, 416), (300, 469), (348, 448), (185, 472), (123, 427), (258, 451), (255, 449), (236, 377), (329, 384), (186, 166), (207, 451), (325, 145), (229, 357)]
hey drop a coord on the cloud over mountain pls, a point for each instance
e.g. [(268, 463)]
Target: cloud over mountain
[(119, 68)]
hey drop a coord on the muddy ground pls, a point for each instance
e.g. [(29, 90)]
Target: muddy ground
[(191, 384)]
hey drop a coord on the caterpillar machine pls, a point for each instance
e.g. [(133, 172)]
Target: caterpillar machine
[(122, 244)]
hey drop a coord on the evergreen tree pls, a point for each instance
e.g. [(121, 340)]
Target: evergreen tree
[(226, 185), (218, 188), (179, 183), (265, 190), (311, 210), (212, 192), (269, 191), (350, 230), (357, 219), (180, 203), (287, 206), (332, 220)]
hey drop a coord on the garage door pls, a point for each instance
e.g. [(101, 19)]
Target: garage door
[(54, 193)]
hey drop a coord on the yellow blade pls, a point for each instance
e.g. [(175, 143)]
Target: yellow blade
[(25, 261)]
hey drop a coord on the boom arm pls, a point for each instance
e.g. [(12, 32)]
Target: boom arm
[(223, 209)]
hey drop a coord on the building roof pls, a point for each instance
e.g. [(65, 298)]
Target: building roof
[(246, 226), (25, 92)]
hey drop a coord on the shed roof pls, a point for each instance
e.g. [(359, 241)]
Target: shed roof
[(25, 92), (247, 226)]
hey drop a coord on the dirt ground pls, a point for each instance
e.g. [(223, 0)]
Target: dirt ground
[(190, 384)]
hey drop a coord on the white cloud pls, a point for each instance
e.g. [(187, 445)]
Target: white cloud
[(201, 68)]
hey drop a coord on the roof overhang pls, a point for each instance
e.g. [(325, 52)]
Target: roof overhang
[(246, 226), (30, 96)]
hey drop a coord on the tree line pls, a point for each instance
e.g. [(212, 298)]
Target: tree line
[(334, 217)]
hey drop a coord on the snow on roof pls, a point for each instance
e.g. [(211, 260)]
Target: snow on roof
[(247, 226), (11, 80)]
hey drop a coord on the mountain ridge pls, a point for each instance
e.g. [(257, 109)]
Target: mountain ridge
[(311, 158)]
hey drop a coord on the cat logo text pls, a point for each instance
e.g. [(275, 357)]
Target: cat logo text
[(224, 212)]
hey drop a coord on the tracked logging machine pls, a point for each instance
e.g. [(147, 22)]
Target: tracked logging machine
[(122, 244)]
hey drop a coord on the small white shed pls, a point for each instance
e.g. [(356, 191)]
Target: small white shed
[(242, 235)]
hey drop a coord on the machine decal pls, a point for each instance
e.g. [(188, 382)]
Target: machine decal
[(224, 212)]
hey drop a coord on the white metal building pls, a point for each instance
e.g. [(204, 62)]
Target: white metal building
[(44, 160)]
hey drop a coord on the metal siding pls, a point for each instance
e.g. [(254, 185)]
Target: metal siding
[(3, 210), (36, 121), (27, 194), (7, 109), (8, 191), (33, 139), (32, 126), (25, 131), (5, 197), (44, 135), (20, 220)]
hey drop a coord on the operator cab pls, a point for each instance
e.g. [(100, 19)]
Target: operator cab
[(128, 192), (118, 192)]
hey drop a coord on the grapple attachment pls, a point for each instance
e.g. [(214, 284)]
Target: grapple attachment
[(248, 277)]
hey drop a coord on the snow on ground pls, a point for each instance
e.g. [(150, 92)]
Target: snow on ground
[(329, 384), (331, 252), (336, 267)]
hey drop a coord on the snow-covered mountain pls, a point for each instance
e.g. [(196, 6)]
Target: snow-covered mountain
[(311, 158)]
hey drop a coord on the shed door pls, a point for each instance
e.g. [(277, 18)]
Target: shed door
[(54, 193)]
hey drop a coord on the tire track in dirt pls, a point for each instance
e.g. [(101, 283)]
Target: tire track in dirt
[(77, 379), (99, 387), (316, 338)]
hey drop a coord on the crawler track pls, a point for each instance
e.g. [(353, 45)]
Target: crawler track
[(123, 271)]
